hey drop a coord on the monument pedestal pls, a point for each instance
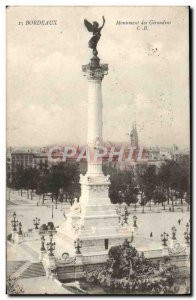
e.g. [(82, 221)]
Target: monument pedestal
[(94, 219)]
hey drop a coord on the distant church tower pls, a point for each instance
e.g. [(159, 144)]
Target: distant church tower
[(134, 136)]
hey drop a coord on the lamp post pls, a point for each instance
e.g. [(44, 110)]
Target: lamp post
[(164, 238), (20, 228), (187, 234), (126, 215), (158, 207), (182, 210), (14, 222), (51, 245), (56, 202), (172, 203), (36, 223), (135, 221), (142, 202), (78, 246), (173, 229), (131, 236)]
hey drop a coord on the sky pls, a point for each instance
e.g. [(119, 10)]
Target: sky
[(147, 82)]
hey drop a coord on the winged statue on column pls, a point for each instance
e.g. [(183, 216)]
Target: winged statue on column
[(96, 30)]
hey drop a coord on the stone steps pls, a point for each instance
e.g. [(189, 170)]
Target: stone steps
[(34, 270), (13, 266), (19, 272)]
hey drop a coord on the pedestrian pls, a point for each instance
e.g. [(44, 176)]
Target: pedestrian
[(179, 221), (151, 234)]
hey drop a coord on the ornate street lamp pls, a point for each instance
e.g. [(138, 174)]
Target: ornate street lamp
[(43, 243), (36, 222), (51, 245), (173, 229), (187, 234), (125, 218), (134, 221), (78, 246), (164, 238), (14, 222), (20, 228)]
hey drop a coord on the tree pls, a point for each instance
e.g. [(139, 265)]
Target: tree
[(18, 178), (165, 177), (31, 176), (55, 180), (183, 180), (123, 187), (159, 196), (174, 178), (42, 183), (71, 184), (147, 181)]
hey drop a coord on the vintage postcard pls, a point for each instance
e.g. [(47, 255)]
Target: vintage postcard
[(98, 150)]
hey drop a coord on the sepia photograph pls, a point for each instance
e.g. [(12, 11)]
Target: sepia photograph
[(98, 197)]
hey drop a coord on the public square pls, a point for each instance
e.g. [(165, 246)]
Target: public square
[(150, 222)]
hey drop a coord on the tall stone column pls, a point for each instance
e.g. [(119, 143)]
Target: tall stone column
[(94, 109), (95, 74)]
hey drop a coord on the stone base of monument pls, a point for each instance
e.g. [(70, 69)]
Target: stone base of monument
[(94, 220), (96, 241)]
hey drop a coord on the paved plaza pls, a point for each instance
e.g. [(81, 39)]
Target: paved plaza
[(23, 259), (150, 225)]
